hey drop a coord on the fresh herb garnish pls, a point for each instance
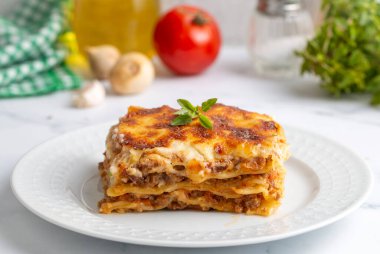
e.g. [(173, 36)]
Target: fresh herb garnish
[(345, 52), (188, 112)]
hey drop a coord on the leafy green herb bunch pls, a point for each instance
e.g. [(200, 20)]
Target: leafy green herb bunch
[(345, 52)]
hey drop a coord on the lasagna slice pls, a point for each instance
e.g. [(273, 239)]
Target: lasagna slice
[(235, 167)]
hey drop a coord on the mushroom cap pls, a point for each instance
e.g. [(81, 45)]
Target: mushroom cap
[(133, 73)]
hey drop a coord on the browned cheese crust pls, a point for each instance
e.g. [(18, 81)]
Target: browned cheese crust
[(148, 128)]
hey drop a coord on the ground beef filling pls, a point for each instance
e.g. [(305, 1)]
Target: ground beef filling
[(153, 180), (239, 205), (163, 179), (257, 163), (146, 164)]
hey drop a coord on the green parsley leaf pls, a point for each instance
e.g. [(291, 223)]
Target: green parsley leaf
[(345, 50), (205, 122), (182, 120), (375, 99), (208, 104)]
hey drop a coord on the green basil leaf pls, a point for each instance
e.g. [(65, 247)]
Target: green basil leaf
[(185, 104), (181, 112), (205, 122), (181, 120), (208, 104)]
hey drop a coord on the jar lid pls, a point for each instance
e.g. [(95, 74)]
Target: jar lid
[(278, 7)]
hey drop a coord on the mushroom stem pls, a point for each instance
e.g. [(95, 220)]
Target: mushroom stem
[(102, 59)]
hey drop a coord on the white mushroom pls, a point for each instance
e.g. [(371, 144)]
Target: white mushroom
[(133, 73), (92, 94), (102, 59)]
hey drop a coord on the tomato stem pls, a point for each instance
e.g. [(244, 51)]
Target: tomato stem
[(199, 19)]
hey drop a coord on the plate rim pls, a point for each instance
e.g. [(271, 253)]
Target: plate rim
[(198, 244)]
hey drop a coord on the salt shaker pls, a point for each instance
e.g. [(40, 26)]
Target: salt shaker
[(278, 28)]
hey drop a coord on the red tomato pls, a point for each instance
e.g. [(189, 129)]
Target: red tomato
[(187, 39)]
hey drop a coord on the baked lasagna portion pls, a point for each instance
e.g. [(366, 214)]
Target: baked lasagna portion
[(235, 167)]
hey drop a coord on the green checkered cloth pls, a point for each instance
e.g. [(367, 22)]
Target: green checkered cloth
[(31, 60)]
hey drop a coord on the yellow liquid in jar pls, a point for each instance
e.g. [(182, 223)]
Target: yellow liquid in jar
[(125, 24)]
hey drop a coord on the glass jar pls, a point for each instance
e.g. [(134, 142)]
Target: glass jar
[(314, 8), (278, 29), (126, 24)]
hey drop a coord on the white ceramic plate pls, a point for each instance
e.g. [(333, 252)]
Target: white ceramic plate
[(59, 182)]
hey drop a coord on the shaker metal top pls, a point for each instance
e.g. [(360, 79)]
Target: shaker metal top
[(278, 7)]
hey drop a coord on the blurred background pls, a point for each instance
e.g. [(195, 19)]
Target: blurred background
[(336, 44), (232, 16), (77, 41)]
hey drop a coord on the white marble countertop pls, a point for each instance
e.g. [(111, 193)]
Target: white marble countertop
[(26, 122)]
